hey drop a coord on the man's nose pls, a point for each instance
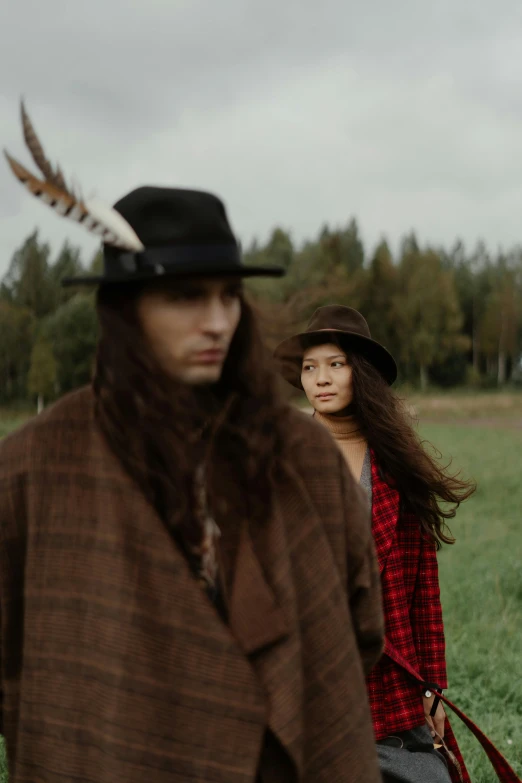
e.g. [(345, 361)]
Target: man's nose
[(216, 319)]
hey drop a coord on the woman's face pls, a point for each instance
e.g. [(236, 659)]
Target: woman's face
[(327, 378)]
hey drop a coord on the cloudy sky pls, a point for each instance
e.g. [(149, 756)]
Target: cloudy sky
[(404, 114)]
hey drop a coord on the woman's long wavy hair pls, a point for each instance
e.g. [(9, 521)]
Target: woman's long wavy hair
[(162, 431), (426, 488)]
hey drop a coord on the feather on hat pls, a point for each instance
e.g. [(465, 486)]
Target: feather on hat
[(96, 216)]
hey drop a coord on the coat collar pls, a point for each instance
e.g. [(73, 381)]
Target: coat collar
[(260, 622), (385, 514), (255, 619)]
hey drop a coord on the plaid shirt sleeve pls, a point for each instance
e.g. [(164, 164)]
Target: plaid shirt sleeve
[(426, 618)]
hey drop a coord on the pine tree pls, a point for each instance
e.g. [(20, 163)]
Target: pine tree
[(41, 381)]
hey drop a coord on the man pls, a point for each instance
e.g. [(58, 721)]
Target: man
[(184, 595)]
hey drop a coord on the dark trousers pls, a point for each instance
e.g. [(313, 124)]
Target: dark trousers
[(409, 757)]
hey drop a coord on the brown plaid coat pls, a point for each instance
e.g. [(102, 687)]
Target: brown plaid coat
[(114, 665)]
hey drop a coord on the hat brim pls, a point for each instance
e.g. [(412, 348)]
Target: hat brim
[(289, 353), (189, 271)]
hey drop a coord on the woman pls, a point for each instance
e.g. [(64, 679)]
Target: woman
[(346, 377)]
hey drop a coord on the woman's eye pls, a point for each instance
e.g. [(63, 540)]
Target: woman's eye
[(337, 364), (307, 367)]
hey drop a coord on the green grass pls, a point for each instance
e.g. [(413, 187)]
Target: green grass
[(9, 421), (481, 582)]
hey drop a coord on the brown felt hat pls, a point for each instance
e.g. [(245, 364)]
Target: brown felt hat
[(349, 328)]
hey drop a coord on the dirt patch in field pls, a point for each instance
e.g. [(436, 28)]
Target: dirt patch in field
[(496, 423), (491, 411)]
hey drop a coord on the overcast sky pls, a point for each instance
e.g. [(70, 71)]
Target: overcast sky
[(404, 114)]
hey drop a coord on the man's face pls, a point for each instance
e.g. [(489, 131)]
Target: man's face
[(189, 325)]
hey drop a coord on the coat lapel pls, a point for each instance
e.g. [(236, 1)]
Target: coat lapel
[(385, 514), (256, 620), (263, 617)]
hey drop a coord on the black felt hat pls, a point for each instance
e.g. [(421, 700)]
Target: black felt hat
[(352, 332), (185, 233)]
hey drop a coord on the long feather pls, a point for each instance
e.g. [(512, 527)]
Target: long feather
[(113, 221), (35, 148), (95, 217)]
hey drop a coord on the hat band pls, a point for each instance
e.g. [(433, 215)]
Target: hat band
[(172, 258)]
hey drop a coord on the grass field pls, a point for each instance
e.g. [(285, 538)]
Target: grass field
[(481, 584), (481, 575)]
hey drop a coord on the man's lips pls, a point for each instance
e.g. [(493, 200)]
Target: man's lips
[(212, 356)]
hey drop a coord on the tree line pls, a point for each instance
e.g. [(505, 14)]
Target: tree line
[(450, 317)]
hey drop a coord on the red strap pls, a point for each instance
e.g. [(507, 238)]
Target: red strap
[(504, 772)]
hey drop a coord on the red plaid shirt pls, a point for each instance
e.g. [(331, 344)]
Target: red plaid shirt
[(413, 617), (412, 611), (414, 627)]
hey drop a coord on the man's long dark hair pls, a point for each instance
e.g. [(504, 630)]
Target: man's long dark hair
[(161, 430), (426, 488)]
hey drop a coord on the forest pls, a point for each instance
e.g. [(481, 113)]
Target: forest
[(450, 316)]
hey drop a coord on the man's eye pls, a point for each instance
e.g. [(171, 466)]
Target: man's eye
[(184, 294), (234, 292)]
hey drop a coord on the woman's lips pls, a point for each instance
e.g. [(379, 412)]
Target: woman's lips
[(325, 396)]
